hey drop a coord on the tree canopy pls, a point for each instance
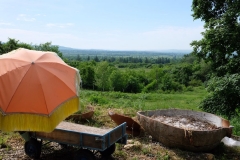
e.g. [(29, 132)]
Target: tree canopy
[(220, 46), (13, 44), (220, 43)]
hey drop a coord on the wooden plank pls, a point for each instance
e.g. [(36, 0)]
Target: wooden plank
[(83, 136), (60, 136), (81, 128), (115, 135), (69, 133), (91, 141)]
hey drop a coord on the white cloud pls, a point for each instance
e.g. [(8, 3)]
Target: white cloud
[(5, 24), (35, 37), (24, 17), (63, 25), (43, 15)]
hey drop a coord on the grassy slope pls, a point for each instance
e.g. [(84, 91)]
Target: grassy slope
[(129, 104)]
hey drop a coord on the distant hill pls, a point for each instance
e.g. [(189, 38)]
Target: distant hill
[(65, 48), (67, 51), (176, 51)]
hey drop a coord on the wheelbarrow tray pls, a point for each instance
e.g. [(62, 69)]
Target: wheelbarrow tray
[(84, 136), (192, 140)]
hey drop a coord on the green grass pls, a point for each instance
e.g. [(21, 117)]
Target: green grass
[(131, 103)]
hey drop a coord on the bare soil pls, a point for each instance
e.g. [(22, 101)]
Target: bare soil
[(185, 122)]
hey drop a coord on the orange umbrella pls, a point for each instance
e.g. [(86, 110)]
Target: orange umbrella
[(37, 90)]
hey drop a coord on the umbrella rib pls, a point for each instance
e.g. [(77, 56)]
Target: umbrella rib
[(56, 77), (52, 53), (18, 87), (14, 60), (44, 98), (42, 91), (54, 74)]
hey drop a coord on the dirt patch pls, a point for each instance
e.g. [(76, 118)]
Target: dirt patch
[(185, 122)]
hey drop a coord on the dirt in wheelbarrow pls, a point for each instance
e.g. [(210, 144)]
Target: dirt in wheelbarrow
[(138, 148), (185, 122)]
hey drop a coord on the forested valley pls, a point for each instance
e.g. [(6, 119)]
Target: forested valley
[(141, 74), (129, 73)]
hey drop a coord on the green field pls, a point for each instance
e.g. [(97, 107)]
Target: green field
[(131, 103)]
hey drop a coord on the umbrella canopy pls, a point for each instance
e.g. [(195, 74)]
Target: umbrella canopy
[(37, 90)]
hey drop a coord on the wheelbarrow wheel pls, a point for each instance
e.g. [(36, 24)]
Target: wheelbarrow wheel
[(33, 148), (84, 154), (109, 151)]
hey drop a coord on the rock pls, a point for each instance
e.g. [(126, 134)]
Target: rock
[(132, 144), (210, 156), (128, 146), (130, 141), (137, 144)]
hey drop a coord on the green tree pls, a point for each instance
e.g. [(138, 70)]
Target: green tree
[(221, 47), (102, 72), (155, 77), (168, 84), (48, 47), (13, 44), (87, 75), (220, 42), (96, 59), (223, 96), (182, 73), (117, 80), (88, 58), (151, 86), (133, 83), (78, 58)]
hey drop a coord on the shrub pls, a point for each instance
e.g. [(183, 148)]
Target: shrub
[(224, 96), (195, 83), (96, 99), (235, 121), (151, 86)]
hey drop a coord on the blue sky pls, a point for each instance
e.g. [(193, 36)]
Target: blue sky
[(101, 24)]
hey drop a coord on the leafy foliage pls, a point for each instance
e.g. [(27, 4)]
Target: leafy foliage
[(96, 99), (220, 43), (139, 74), (102, 72), (224, 97), (220, 48), (48, 47), (150, 87), (117, 80), (169, 85), (235, 121), (87, 74), (13, 44)]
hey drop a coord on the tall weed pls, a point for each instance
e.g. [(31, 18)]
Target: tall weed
[(235, 121)]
